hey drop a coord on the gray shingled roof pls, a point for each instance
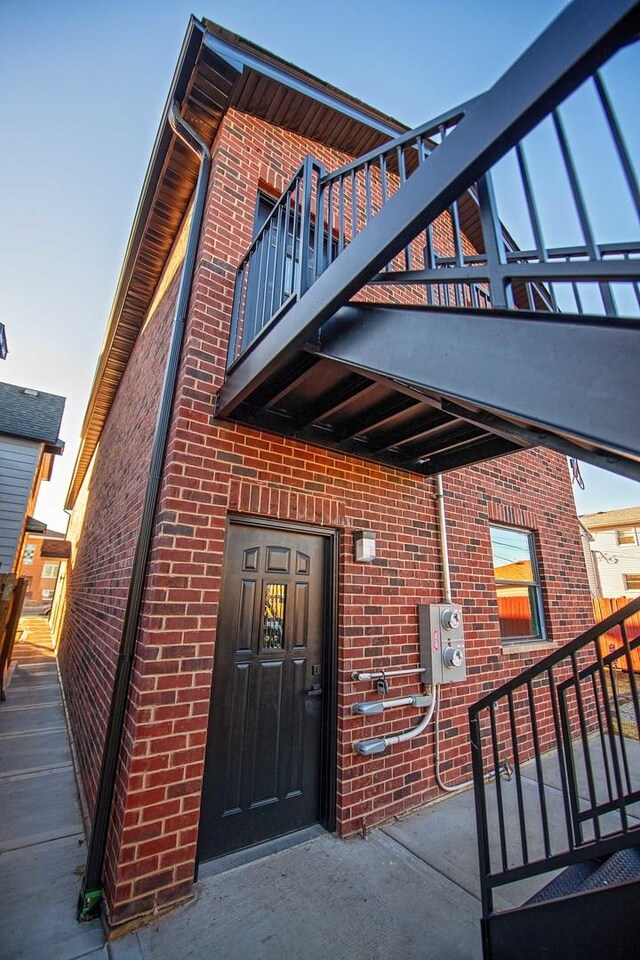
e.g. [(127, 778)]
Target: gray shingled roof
[(30, 413)]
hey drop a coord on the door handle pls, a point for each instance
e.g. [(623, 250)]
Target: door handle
[(315, 690)]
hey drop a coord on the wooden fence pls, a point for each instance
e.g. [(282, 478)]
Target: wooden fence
[(603, 607), (12, 592)]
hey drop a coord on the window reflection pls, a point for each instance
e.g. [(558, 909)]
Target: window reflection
[(517, 584), (273, 620)]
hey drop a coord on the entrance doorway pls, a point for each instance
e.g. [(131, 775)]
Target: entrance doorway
[(270, 759)]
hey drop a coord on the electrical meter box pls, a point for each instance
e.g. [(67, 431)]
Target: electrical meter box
[(442, 647)]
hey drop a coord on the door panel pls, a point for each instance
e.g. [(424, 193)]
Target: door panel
[(262, 770)]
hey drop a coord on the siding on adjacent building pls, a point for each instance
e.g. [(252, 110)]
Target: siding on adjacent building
[(615, 561), (18, 464), (586, 540)]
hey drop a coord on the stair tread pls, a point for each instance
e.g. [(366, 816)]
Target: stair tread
[(569, 881), (618, 868)]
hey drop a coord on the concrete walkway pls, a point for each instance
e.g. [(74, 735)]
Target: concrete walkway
[(41, 839), (410, 889)]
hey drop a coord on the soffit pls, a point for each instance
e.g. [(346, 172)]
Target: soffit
[(215, 70)]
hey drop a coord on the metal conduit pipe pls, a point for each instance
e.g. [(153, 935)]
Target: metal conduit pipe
[(419, 727), (367, 748), (446, 589), (503, 767), (453, 788), (91, 890), (444, 546), (371, 707), (358, 675)]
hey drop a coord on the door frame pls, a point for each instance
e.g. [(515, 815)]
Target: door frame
[(329, 734)]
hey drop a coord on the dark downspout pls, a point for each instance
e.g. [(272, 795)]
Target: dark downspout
[(91, 891)]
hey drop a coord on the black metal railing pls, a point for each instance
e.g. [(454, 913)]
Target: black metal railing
[(353, 195), (566, 725), (497, 245), (278, 267), (588, 275)]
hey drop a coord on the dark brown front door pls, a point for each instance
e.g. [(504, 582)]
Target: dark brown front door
[(263, 762)]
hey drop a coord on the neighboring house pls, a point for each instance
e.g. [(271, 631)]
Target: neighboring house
[(29, 441), (257, 606), (586, 538), (615, 546), (42, 557)]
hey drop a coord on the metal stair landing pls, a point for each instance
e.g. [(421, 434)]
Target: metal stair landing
[(435, 320), (358, 412)]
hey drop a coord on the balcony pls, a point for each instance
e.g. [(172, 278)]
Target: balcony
[(386, 311)]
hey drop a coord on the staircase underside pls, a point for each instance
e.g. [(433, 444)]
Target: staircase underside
[(345, 407), (429, 390)]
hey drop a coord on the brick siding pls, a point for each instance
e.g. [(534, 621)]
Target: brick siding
[(213, 469)]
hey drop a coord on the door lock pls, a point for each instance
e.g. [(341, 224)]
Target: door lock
[(315, 690)]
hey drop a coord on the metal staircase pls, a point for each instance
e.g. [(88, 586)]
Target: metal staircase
[(386, 310), (570, 726)]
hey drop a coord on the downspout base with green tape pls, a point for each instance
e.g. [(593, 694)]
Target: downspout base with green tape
[(89, 905)]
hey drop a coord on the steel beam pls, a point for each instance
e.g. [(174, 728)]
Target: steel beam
[(582, 38), (570, 376), (586, 270)]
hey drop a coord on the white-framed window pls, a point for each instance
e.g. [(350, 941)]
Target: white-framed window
[(29, 553), (50, 571), (632, 581), (517, 580), (627, 536), (47, 594)]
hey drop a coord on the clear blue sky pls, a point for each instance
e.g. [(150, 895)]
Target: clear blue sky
[(84, 84)]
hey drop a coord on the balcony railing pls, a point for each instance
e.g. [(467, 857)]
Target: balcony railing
[(476, 251), (278, 267)]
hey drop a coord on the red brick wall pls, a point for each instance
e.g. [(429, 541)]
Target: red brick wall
[(213, 468), (104, 537)]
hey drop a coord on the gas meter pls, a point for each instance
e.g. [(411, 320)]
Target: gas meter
[(442, 649)]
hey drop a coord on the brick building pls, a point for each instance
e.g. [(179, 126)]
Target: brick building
[(40, 566), (254, 611)]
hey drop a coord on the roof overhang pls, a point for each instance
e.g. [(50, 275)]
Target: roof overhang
[(35, 526), (55, 549), (216, 70)]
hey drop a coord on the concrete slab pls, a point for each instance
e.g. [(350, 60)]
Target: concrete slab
[(34, 717), (26, 694), (28, 675), (38, 891), (41, 808), (22, 754), (444, 835), (551, 770), (348, 900)]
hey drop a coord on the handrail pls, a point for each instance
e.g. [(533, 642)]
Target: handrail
[(273, 212), (597, 630), (578, 702), (428, 129), (275, 270), (351, 196)]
